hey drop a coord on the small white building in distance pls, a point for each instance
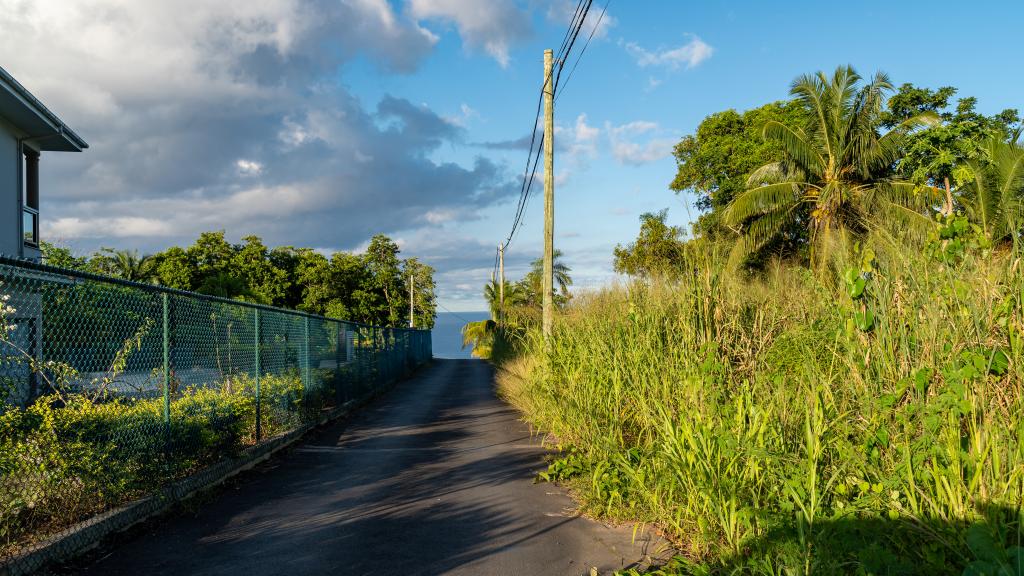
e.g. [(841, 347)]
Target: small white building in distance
[(27, 128)]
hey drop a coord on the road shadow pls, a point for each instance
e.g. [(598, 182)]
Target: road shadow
[(418, 484)]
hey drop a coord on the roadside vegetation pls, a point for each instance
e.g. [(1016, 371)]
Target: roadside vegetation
[(120, 396), (826, 375), (371, 288)]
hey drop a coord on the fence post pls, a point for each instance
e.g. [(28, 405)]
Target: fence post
[(167, 358), (259, 397), (339, 331), (305, 354)]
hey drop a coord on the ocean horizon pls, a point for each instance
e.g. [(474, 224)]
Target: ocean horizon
[(447, 333)]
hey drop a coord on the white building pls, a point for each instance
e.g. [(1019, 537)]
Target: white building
[(27, 128)]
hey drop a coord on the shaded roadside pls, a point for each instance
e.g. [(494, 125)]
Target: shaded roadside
[(435, 479)]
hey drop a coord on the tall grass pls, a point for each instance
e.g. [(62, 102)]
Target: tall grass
[(864, 422)]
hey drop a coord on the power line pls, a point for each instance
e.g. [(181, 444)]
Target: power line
[(578, 16), (589, 38), (568, 41), (575, 34), (572, 25), (453, 313)]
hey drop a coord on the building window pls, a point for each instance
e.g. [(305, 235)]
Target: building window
[(30, 226), (30, 199)]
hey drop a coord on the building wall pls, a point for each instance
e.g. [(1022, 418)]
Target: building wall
[(10, 192)]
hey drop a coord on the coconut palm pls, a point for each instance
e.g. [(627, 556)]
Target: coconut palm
[(125, 264), (479, 335), (838, 176), (514, 296), (559, 273), (993, 198)]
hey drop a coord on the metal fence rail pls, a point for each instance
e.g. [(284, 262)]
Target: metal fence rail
[(111, 390)]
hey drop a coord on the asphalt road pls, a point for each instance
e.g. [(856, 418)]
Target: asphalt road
[(436, 478)]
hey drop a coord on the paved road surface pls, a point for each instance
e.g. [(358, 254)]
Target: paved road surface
[(434, 479)]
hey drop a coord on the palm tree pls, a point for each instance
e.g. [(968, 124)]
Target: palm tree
[(514, 296), (993, 197), (838, 175), (559, 273), (479, 335), (125, 264)]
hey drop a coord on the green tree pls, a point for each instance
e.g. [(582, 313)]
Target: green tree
[(356, 299), (426, 300), (837, 176), (212, 252), (532, 286), (175, 268), (62, 257), (371, 288), (515, 296), (657, 251), (714, 163), (311, 273), (480, 335), (264, 282), (939, 155), (385, 277), (123, 264), (993, 197), (287, 259)]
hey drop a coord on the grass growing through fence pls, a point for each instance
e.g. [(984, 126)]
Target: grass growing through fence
[(866, 420)]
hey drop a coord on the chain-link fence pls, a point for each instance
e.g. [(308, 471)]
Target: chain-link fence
[(111, 390)]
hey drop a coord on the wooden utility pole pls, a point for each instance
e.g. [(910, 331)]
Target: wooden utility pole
[(549, 193), (412, 299), (501, 282)]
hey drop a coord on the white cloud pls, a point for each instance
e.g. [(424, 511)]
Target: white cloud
[(440, 216), (629, 148), (583, 140), (585, 133), (635, 128), (688, 55), (187, 103), (118, 227), (248, 167), (465, 115), (492, 26)]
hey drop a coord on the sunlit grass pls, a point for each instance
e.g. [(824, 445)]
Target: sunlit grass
[(769, 429)]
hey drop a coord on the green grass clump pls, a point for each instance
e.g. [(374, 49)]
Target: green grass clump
[(863, 420)]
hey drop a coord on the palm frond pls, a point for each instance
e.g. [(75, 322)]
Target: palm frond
[(795, 144), (756, 201), (771, 173), (760, 232)]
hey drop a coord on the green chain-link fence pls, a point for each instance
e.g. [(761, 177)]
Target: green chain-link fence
[(111, 391)]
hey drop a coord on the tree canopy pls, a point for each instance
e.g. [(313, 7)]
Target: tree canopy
[(714, 163), (657, 251), (841, 156), (371, 288)]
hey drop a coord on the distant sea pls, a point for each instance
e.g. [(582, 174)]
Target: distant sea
[(447, 333)]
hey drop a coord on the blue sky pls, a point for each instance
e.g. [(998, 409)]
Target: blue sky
[(321, 123)]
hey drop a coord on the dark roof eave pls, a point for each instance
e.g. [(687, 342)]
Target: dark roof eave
[(59, 137)]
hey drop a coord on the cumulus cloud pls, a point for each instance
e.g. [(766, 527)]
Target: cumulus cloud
[(689, 55), (585, 133), (229, 115), (493, 26), (639, 142)]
